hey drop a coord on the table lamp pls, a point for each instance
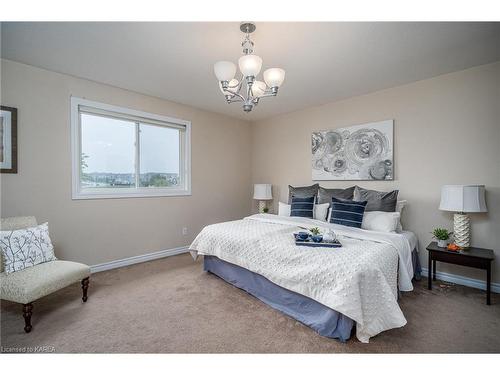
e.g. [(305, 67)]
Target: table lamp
[(262, 193), (462, 199)]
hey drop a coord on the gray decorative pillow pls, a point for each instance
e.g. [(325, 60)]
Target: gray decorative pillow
[(25, 248), (302, 192), (377, 200), (326, 195)]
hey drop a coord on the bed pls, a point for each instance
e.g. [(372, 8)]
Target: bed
[(332, 291)]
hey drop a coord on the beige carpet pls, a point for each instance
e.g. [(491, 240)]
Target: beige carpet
[(172, 306)]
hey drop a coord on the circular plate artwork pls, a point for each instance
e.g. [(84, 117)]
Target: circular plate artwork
[(362, 152)]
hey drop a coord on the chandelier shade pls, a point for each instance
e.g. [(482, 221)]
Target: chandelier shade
[(224, 70), (247, 89), (250, 65), (274, 77)]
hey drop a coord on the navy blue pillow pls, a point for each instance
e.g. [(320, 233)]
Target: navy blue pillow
[(347, 212), (302, 207)]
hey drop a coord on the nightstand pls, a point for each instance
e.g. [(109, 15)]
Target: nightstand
[(472, 257)]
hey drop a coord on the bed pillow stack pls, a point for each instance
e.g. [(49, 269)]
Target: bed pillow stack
[(382, 211)]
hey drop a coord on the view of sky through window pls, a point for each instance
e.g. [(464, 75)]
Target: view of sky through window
[(108, 153)]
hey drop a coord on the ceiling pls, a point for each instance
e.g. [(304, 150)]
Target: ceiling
[(324, 62)]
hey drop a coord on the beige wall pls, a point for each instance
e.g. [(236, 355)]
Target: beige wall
[(447, 131), (96, 231)]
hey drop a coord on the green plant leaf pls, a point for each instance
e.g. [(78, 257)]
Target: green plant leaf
[(441, 234)]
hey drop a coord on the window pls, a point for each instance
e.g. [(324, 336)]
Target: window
[(119, 152)]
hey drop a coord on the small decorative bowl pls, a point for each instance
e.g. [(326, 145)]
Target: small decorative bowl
[(303, 236), (317, 238)]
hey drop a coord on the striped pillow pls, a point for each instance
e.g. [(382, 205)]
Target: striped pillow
[(303, 207), (347, 212)]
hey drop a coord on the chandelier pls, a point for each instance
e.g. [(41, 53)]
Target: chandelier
[(250, 66)]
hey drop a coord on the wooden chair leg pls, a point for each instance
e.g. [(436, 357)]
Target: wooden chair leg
[(27, 312), (85, 288)]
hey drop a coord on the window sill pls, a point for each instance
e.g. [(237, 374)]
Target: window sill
[(130, 194)]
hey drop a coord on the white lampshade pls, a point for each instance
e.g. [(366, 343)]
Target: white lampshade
[(274, 77), (258, 88), (224, 70), (232, 86), (463, 198), (262, 191), (250, 65)]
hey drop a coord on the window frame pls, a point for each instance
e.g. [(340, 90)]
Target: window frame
[(103, 109)]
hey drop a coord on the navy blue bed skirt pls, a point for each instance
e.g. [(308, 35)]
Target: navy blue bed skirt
[(322, 319)]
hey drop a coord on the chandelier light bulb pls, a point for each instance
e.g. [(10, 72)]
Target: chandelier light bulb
[(250, 65), (224, 70), (258, 88), (274, 77), (233, 86)]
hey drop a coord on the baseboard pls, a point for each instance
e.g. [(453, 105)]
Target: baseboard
[(138, 259), (461, 280)]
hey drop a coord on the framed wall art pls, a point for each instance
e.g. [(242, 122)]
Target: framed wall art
[(8, 139), (361, 152)]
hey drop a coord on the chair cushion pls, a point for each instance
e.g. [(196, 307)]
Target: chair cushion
[(38, 281)]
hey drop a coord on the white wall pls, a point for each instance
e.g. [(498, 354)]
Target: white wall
[(446, 131)]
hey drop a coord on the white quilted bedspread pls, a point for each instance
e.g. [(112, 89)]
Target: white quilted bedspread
[(358, 280)]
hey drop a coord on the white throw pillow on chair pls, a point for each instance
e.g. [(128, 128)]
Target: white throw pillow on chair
[(23, 248)]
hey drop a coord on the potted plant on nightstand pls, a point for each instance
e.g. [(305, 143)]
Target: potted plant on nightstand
[(442, 236)]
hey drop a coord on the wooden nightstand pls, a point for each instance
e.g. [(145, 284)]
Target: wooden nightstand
[(472, 257)]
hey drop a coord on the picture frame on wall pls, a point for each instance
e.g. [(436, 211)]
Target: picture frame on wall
[(361, 152), (8, 139)]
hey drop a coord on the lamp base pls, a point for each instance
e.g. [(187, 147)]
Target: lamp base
[(461, 230), (262, 206)]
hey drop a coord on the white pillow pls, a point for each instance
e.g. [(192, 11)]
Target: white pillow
[(284, 209), (399, 208), (320, 210), (25, 248), (381, 221)]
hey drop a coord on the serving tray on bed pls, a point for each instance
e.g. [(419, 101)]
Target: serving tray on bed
[(309, 242)]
